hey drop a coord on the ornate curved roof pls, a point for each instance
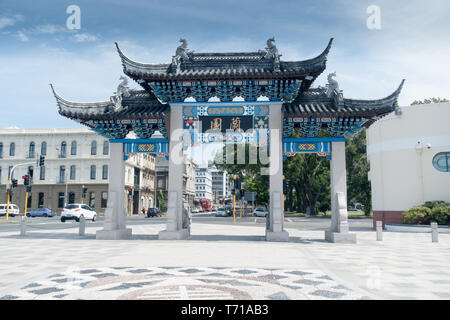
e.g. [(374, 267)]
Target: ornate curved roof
[(139, 104), (316, 102), (226, 66)]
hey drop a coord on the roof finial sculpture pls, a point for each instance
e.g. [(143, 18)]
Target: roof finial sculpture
[(182, 54), (271, 52), (332, 85), (122, 91)]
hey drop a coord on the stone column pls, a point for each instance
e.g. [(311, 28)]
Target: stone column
[(339, 218), (274, 230), (114, 225), (174, 229)]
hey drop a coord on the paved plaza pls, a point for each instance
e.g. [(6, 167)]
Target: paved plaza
[(221, 261)]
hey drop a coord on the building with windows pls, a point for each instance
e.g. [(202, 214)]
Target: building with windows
[(74, 158), (162, 176), (409, 155), (220, 185), (203, 184)]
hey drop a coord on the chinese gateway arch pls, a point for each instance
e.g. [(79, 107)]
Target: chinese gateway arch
[(275, 97)]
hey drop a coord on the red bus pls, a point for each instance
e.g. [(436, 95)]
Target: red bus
[(206, 204)]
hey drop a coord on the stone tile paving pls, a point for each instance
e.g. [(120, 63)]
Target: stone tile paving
[(182, 283), (402, 266)]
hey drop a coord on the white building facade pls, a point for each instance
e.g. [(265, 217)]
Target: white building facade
[(203, 184), (220, 186), (74, 157), (409, 155)]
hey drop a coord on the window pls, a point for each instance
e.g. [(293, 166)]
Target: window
[(31, 150), (42, 173), (62, 174), (61, 197), (104, 199), (44, 148), (71, 197), (73, 148), (441, 161), (105, 147), (63, 149), (1, 150), (94, 148), (72, 172), (92, 199), (41, 200), (93, 172), (105, 172), (12, 149)]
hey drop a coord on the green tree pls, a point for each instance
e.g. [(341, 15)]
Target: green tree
[(358, 184), (248, 173), (309, 182), (161, 201), (429, 101)]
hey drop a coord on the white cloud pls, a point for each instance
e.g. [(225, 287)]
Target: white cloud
[(10, 21), (49, 29), (22, 37), (83, 37)]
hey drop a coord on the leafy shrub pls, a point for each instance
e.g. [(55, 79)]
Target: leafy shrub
[(417, 215), (441, 214), (433, 204)]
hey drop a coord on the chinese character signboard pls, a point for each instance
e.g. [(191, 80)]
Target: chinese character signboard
[(243, 124)]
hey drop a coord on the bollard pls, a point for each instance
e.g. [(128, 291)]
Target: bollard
[(434, 232), (82, 226), (379, 230), (23, 227)]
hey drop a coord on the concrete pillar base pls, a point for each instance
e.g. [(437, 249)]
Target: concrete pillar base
[(182, 234), (121, 234), (282, 236), (338, 237)]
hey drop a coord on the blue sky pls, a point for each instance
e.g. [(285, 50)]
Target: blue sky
[(36, 48)]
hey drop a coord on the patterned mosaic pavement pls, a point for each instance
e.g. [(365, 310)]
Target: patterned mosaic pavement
[(185, 283), (222, 262)]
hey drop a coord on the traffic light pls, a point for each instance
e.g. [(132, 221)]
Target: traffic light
[(41, 161), (84, 190), (130, 192), (14, 183), (242, 193), (30, 172), (26, 180)]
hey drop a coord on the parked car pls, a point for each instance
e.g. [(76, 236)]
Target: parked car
[(76, 210), (13, 210), (194, 210), (199, 209), (229, 209), (153, 212), (351, 208), (221, 212), (260, 212), (41, 212)]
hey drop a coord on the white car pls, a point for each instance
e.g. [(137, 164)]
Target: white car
[(260, 212), (221, 212), (75, 211), (194, 210), (13, 210)]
